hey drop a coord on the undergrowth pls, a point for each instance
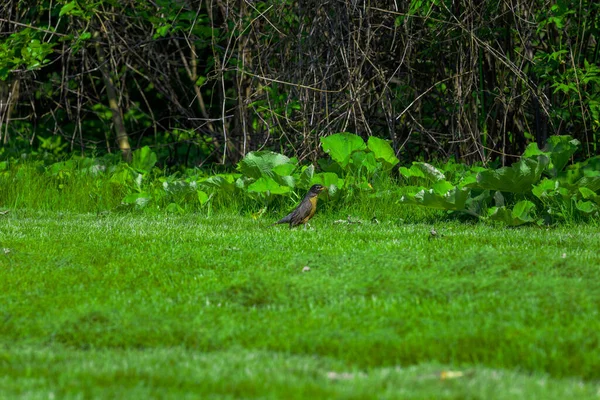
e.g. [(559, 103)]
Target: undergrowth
[(361, 179)]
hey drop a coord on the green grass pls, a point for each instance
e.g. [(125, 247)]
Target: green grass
[(139, 306)]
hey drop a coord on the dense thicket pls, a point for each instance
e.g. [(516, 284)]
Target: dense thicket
[(209, 81)]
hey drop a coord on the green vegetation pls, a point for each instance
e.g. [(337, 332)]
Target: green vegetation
[(203, 83), (538, 184), (539, 188), (174, 305), (146, 147)]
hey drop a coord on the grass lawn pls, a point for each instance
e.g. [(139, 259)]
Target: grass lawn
[(154, 306)]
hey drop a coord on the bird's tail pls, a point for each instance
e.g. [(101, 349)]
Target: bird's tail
[(284, 220)]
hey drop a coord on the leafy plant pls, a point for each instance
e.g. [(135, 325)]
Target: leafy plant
[(269, 172), (356, 165), (519, 215), (443, 196), (539, 188), (518, 178), (341, 146), (559, 150), (562, 191), (24, 49)]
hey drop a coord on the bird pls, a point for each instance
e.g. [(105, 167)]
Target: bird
[(305, 210)]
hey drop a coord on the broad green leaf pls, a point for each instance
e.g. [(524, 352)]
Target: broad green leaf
[(139, 178), (533, 150), (283, 174), (520, 214), (121, 176), (360, 160), (382, 151), (67, 8), (284, 169), (242, 182), (518, 178), (341, 145), (140, 200), (414, 171), (162, 31), (328, 179), (561, 149), (501, 214), (499, 199), (411, 190), (590, 182), (589, 194), (478, 205), (442, 187), (143, 159), (266, 184), (306, 176), (586, 206), (583, 174), (224, 182), (326, 164), (429, 171), (177, 187), (259, 164), (202, 197), (454, 199), (522, 210), (541, 189), (174, 208), (287, 180), (558, 148), (470, 179)]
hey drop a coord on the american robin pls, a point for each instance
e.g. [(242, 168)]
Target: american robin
[(305, 210)]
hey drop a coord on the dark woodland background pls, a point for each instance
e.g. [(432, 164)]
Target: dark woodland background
[(205, 82)]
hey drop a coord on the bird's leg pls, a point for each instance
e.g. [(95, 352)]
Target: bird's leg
[(305, 226)]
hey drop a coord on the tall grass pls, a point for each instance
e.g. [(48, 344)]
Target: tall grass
[(28, 185), (102, 185), (33, 185)]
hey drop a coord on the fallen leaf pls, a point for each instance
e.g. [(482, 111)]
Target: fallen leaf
[(451, 375)]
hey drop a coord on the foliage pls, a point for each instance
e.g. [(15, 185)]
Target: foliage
[(23, 49), (558, 196), (559, 149), (539, 188), (205, 84)]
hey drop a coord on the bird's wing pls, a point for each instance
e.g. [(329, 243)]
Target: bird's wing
[(286, 219), (300, 213)]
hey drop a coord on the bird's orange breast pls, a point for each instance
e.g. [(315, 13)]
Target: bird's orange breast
[(313, 209)]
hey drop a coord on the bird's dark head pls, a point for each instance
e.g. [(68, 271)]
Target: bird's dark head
[(316, 189)]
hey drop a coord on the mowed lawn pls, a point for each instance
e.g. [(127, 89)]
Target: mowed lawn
[(156, 306)]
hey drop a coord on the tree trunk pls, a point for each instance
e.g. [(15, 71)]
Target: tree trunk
[(111, 93), (9, 95)]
